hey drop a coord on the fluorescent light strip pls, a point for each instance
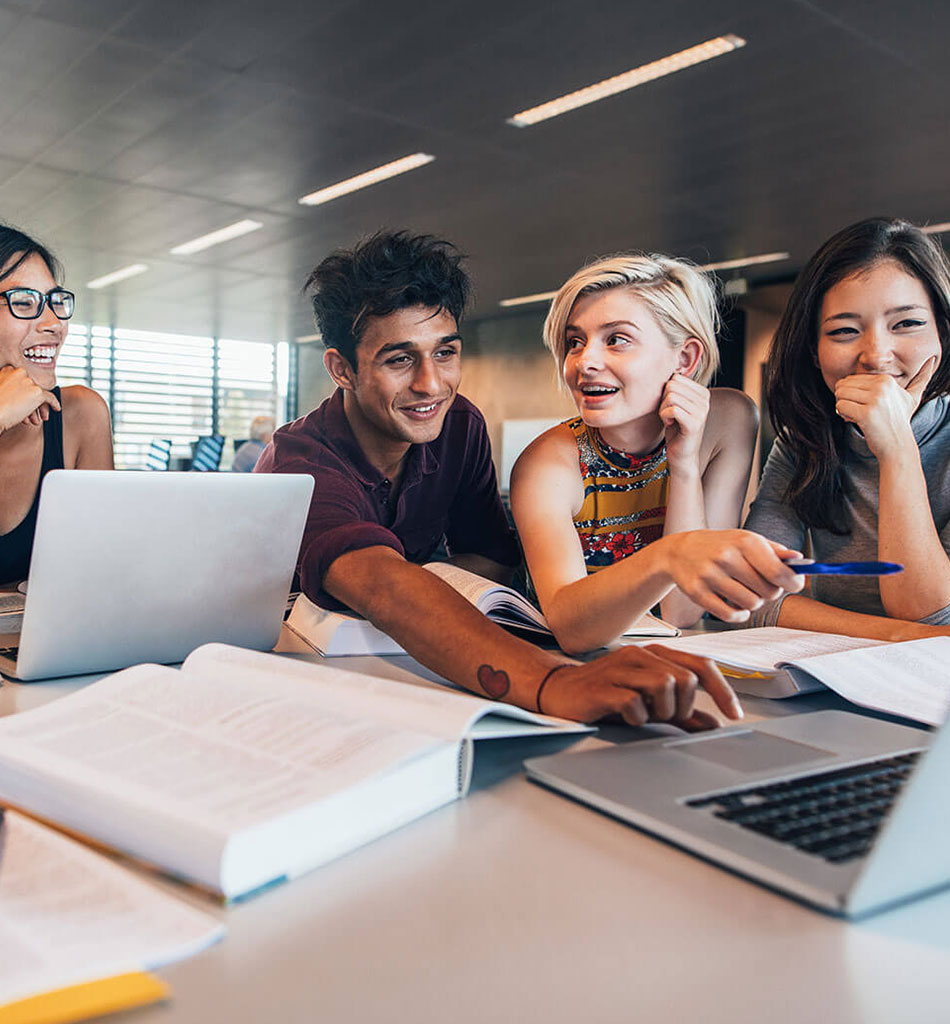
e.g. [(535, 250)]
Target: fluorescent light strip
[(367, 178), (304, 338), (748, 261), (619, 83), (524, 300), (117, 275), (936, 229), (235, 230)]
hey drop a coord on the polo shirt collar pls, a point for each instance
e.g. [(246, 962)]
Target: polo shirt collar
[(337, 433)]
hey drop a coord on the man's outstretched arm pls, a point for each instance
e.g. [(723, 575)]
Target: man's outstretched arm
[(442, 631)]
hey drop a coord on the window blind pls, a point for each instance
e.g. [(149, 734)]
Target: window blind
[(175, 386)]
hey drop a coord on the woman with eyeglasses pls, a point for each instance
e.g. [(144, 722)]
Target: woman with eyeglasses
[(42, 427)]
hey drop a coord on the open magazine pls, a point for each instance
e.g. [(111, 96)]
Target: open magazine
[(337, 633)]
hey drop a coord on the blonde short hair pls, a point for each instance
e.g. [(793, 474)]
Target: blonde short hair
[(680, 296)]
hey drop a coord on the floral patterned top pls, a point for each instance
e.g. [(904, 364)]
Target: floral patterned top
[(625, 498)]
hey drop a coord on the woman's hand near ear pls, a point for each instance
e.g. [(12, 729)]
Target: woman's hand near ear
[(684, 407)]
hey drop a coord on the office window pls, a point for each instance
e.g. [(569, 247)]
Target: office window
[(73, 364), (175, 386), (162, 387), (246, 388)]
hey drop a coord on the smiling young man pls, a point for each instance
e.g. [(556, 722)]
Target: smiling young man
[(402, 465)]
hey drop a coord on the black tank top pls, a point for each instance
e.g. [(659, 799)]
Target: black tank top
[(17, 545)]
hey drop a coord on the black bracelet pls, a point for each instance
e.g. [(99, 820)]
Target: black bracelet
[(544, 682)]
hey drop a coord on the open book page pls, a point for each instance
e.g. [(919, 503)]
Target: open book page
[(166, 765), (68, 915), (11, 601), (908, 679), (11, 617), (648, 625), (487, 595), (767, 648), (434, 710), (507, 607)]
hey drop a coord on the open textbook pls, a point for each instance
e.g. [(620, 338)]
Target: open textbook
[(908, 679), (78, 931), (243, 769), (335, 633)]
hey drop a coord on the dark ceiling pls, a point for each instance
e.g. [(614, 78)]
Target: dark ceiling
[(130, 127)]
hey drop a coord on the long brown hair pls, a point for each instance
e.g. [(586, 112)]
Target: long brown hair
[(801, 405)]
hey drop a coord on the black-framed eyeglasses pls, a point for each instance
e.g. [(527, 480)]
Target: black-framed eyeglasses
[(28, 303)]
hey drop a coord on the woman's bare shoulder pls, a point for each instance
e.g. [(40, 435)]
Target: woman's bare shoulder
[(547, 471), (87, 429), (731, 409), (81, 404)]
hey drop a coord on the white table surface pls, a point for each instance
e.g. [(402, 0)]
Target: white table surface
[(516, 904)]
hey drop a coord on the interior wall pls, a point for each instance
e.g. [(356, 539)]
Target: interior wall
[(763, 308), (313, 381), (509, 374)]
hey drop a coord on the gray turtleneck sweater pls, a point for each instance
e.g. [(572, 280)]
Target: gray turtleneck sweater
[(771, 516)]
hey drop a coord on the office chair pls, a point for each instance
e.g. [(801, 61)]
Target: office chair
[(207, 456), (159, 454)]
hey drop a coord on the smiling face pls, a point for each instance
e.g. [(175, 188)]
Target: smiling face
[(878, 320), (407, 375), (618, 359), (31, 344)]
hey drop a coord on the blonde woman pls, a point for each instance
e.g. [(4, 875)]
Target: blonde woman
[(614, 508)]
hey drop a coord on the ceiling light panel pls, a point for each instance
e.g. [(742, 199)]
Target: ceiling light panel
[(235, 230), (118, 275), (746, 261), (367, 178), (628, 80), (525, 300)]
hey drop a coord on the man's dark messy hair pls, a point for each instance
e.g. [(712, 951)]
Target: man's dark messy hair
[(385, 273)]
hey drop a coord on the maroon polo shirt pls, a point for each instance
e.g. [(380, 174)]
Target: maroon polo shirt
[(448, 492)]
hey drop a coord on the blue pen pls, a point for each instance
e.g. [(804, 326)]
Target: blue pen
[(808, 568)]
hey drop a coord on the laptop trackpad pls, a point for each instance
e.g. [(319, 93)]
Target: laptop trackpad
[(750, 751)]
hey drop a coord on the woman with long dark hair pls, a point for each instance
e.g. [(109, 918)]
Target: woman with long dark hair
[(42, 427), (857, 385)]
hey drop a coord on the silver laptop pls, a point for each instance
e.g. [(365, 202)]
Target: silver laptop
[(845, 812), (130, 567)]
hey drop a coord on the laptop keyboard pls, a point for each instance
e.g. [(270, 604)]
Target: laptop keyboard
[(833, 814)]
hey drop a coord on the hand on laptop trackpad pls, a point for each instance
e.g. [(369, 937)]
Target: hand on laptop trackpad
[(748, 751)]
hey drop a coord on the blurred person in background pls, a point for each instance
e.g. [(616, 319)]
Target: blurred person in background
[(245, 458)]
